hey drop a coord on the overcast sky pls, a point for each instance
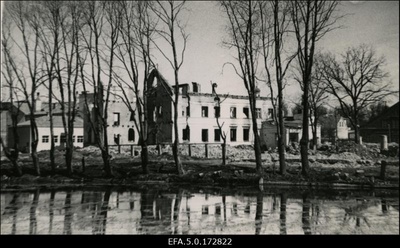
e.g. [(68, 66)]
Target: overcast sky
[(370, 22)]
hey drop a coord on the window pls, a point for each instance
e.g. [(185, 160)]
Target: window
[(246, 134), (45, 139), (233, 134), (186, 133), (204, 111), (132, 118), (188, 111), (116, 119), (270, 113), (233, 112), (55, 138), (131, 134), (204, 135), (116, 139), (217, 112), (63, 138), (217, 135), (80, 139), (246, 112), (258, 113), (73, 139)]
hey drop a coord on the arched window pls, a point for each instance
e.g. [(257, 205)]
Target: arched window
[(131, 134)]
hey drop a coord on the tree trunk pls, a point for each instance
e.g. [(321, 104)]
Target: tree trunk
[(224, 152), (305, 167), (68, 160), (145, 157), (356, 131), (315, 138), (12, 155), (257, 146), (281, 131), (35, 161), (178, 163), (106, 161), (16, 166)]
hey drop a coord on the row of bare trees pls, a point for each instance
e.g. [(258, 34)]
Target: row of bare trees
[(272, 37), (66, 46), (263, 31)]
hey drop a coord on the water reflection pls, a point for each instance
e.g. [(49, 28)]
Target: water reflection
[(150, 211)]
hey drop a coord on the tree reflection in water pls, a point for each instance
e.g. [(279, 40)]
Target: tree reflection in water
[(305, 217), (259, 211), (100, 222), (12, 209), (282, 214), (162, 212), (51, 210), (68, 214), (32, 213)]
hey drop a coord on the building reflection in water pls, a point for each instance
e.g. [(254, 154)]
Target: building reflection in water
[(152, 211)]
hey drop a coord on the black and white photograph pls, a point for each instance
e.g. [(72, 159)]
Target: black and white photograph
[(199, 123)]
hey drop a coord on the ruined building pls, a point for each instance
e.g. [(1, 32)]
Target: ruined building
[(197, 114)]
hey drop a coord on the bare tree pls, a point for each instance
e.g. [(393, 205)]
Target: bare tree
[(100, 37), (217, 110), (137, 30), (356, 80), (311, 21), (25, 17), (168, 14), (50, 39), (316, 100), (9, 81), (242, 30), (274, 32)]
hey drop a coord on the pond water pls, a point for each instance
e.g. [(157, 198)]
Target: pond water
[(198, 211)]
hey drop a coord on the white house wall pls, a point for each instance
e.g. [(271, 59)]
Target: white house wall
[(45, 131), (196, 122)]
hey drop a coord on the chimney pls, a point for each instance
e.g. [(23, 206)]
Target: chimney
[(214, 86), (38, 103)]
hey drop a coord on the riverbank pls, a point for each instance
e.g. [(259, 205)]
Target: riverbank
[(336, 170)]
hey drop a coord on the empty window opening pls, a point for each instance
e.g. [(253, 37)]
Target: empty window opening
[(233, 134), (204, 111), (258, 113), (246, 134), (217, 112), (131, 134), (233, 112), (204, 135), (270, 113), (246, 112), (186, 133), (217, 134), (116, 138), (188, 111), (116, 119)]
